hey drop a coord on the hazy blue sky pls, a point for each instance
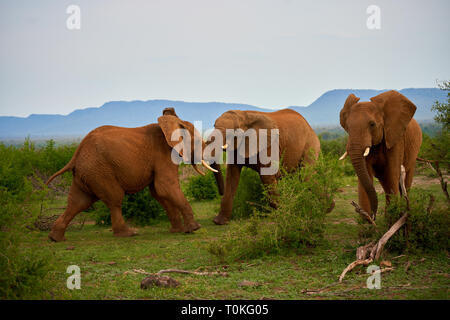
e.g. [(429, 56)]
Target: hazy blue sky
[(263, 52)]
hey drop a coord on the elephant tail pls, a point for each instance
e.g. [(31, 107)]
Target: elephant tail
[(67, 167)]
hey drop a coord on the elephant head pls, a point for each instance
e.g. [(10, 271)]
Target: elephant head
[(169, 123), (383, 120), (243, 120)]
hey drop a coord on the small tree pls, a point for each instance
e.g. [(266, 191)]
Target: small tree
[(443, 109), (437, 148)]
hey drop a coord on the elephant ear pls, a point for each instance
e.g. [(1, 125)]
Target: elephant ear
[(169, 111), (170, 123), (349, 102), (397, 113), (258, 121)]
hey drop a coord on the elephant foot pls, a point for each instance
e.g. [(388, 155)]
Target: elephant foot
[(192, 227), (56, 236), (129, 232), (176, 229), (220, 220)]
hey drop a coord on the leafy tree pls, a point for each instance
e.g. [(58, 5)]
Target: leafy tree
[(437, 147), (443, 109)]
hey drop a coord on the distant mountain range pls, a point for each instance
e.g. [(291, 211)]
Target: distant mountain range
[(322, 112)]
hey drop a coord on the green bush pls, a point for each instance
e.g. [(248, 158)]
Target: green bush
[(19, 163), (437, 148), (250, 194), (298, 222), (139, 208), (336, 148), (202, 187), (22, 274), (423, 230)]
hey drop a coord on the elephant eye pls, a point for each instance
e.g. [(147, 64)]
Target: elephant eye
[(372, 124)]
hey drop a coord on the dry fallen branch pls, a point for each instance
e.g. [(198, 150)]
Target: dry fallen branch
[(370, 252), (380, 245), (363, 213), (318, 291), (335, 293), (364, 251), (383, 270), (215, 273), (352, 265)]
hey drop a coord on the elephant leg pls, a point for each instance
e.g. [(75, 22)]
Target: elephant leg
[(363, 198), (168, 188), (111, 193), (172, 212), (231, 184), (270, 182), (409, 178), (77, 202), (390, 182), (410, 167), (120, 228)]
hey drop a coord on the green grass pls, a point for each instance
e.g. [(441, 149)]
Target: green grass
[(107, 263)]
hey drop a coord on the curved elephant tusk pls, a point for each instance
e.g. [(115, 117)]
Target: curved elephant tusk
[(343, 156), (366, 152), (225, 146), (198, 170), (206, 165)]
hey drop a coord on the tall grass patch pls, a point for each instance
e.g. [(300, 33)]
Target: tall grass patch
[(250, 194), (304, 196)]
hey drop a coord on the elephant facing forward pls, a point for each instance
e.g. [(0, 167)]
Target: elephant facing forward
[(297, 143), (382, 136), (112, 161)]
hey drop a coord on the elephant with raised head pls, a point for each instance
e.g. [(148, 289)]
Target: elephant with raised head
[(297, 143), (112, 161), (382, 136)]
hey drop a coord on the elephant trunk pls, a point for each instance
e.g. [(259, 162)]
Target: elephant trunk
[(219, 178), (216, 171), (359, 163)]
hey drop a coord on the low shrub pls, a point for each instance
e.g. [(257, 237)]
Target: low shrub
[(425, 229), (202, 187), (298, 222), (335, 148), (250, 194), (139, 208), (19, 163), (22, 274)]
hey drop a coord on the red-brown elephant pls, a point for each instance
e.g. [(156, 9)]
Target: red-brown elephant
[(112, 161), (298, 144), (382, 136)]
